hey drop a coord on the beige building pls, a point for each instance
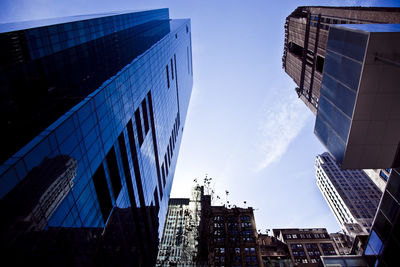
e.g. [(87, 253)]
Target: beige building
[(379, 177)]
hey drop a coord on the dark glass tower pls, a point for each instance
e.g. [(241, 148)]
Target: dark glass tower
[(92, 114)]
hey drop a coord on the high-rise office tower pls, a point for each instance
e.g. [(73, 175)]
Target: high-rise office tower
[(179, 243), (351, 195), (92, 115), (306, 37), (306, 246)]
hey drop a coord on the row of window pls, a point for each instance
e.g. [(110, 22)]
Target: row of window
[(243, 218), (248, 259), (306, 261), (324, 22), (170, 149), (250, 250), (248, 239), (232, 225), (302, 236)]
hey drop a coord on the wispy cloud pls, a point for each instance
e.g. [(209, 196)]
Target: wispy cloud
[(359, 2), (282, 122)]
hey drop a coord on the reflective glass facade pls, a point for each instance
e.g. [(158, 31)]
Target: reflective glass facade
[(93, 112), (359, 96), (342, 70), (384, 241)]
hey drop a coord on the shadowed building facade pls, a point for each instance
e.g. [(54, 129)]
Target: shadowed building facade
[(382, 246), (230, 235), (92, 109), (306, 38), (273, 252)]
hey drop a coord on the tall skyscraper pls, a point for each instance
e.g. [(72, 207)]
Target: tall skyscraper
[(306, 38), (351, 195), (179, 244), (92, 114)]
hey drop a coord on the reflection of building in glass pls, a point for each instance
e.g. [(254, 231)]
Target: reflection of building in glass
[(87, 246), (55, 193), (179, 243), (109, 93), (351, 195), (306, 38), (38, 195), (306, 245)]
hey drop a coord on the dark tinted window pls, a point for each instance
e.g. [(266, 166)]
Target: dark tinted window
[(100, 184), (166, 70), (138, 121), (145, 116), (112, 165)]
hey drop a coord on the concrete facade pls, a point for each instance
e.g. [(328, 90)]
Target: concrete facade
[(379, 177)]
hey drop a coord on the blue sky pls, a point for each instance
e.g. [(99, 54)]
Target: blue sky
[(245, 128)]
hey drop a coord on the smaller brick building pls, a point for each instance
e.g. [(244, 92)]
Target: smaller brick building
[(231, 237), (274, 252), (307, 245)]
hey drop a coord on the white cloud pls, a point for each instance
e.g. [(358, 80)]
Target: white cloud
[(283, 121)]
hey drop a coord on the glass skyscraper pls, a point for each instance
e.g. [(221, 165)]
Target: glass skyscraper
[(92, 114)]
